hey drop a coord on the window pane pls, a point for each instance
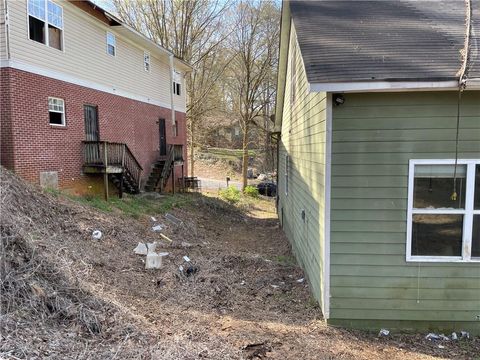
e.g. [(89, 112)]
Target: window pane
[(433, 186), (56, 118), (36, 29), (476, 199), (476, 236), (54, 37), (437, 235), (55, 15), (37, 8), (110, 39), (111, 50)]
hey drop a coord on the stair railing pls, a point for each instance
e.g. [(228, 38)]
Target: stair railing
[(167, 167), (105, 153)]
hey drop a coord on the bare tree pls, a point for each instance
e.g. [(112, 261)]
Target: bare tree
[(254, 45), (194, 31)]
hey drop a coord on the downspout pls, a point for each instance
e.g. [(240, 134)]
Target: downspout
[(7, 29), (171, 89)]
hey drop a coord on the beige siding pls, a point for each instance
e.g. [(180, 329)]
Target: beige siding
[(303, 138), (85, 55), (3, 45)]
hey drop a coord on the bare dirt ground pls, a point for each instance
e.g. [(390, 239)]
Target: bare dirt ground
[(66, 295)]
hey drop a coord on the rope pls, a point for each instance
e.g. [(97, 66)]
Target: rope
[(462, 79)]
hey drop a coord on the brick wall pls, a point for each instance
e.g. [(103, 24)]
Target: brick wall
[(40, 146)]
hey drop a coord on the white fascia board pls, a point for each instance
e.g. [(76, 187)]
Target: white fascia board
[(386, 86), (20, 65)]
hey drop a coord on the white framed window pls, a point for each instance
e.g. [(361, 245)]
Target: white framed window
[(441, 227), (111, 44), (45, 23), (287, 169), (177, 88), (56, 111), (146, 61)]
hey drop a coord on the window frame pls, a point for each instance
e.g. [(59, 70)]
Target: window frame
[(468, 212), (146, 55), (64, 117), (114, 44), (45, 25)]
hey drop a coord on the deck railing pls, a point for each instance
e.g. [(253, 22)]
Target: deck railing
[(105, 153)]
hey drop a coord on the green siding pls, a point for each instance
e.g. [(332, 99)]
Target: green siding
[(373, 138), (303, 138)]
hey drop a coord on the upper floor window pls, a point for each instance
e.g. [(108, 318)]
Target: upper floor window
[(45, 23), (111, 44), (176, 88), (56, 111), (442, 226), (146, 61)]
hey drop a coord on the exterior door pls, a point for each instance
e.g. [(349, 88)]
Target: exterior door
[(91, 123), (162, 137), (92, 150)]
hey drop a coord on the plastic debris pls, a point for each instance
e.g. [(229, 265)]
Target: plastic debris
[(141, 249), (432, 336), (173, 219), (188, 268), (154, 260), (300, 280), (454, 336), (157, 228), (97, 234), (153, 219), (384, 332), (441, 346), (275, 286), (464, 335), (186, 258)]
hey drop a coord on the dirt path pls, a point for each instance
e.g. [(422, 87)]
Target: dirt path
[(68, 296)]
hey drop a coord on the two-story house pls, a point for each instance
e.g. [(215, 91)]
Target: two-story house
[(83, 93)]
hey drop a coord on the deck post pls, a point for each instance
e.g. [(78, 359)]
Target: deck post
[(105, 164), (173, 178)]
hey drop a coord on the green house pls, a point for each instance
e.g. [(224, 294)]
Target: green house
[(379, 159)]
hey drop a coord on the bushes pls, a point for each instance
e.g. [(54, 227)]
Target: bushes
[(251, 191), (230, 194)]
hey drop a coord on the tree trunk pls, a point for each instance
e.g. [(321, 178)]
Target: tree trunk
[(192, 149), (245, 156)]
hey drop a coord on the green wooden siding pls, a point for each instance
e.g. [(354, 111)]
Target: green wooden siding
[(303, 138), (374, 136)]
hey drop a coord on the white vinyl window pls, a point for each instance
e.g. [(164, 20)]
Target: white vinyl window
[(146, 61), (45, 23), (442, 227), (111, 44), (56, 111)]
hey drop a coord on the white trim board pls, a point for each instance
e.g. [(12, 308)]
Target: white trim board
[(386, 86), (326, 238), (468, 212), (57, 75)]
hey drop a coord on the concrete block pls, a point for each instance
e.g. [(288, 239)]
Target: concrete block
[(49, 179)]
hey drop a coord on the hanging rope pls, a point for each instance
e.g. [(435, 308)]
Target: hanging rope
[(462, 81)]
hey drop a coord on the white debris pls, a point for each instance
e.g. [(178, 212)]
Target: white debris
[(454, 336), (180, 268), (186, 258), (153, 219), (432, 336), (274, 286), (157, 228), (464, 335), (441, 346), (141, 249), (300, 280), (384, 332), (154, 260), (97, 234)]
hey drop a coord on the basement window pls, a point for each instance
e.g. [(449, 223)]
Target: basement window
[(440, 227), (45, 23), (56, 111), (111, 44)]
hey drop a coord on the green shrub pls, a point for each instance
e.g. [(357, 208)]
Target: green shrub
[(251, 191), (231, 194)]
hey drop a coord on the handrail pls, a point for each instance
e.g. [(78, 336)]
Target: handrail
[(103, 153), (167, 167)]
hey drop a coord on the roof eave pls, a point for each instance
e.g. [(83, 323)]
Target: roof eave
[(389, 86)]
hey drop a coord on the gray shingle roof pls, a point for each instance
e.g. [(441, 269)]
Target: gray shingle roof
[(396, 40)]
